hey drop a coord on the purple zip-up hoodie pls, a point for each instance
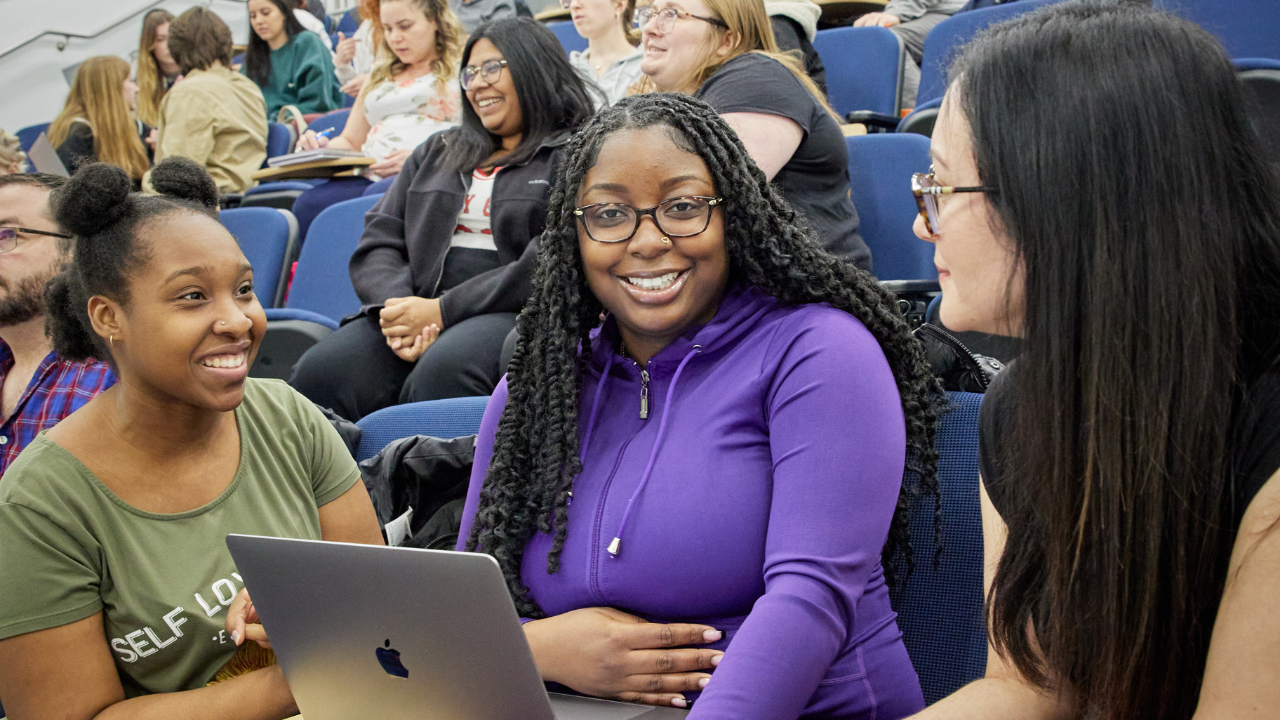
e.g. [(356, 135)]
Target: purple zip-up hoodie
[(754, 496)]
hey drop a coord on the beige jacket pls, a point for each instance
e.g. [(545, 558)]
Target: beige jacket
[(217, 118)]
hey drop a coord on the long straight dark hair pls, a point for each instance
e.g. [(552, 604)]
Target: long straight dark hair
[(551, 94), (257, 58), (1147, 220)]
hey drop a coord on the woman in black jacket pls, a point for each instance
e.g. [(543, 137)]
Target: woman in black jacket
[(447, 256)]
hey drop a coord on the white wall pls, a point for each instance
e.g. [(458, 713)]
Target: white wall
[(31, 78)]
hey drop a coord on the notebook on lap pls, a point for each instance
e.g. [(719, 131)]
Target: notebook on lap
[(387, 633)]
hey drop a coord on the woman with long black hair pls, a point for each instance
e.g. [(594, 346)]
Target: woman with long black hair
[(447, 255), (290, 64), (1098, 191), (724, 462)]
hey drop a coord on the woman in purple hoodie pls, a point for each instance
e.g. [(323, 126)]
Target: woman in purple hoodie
[(721, 462)]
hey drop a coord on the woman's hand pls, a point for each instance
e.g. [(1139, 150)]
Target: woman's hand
[(152, 138), (877, 19), (356, 84), (243, 623), (345, 51), (608, 653), (407, 317), (310, 140), (391, 165), (410, 349)]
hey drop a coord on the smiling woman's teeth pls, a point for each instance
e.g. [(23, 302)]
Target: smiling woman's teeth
[(488, 101), (662, 282), (224, 361)]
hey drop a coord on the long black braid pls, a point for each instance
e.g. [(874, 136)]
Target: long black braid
[(535, 457)]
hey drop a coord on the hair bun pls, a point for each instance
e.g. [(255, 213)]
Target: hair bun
[(182, 178), (95, 198)]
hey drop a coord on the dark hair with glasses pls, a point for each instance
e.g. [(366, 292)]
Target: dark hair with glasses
[(535, 456), (45, 181), (926, 189), (1141, 206), (552, 95), (98, 207)]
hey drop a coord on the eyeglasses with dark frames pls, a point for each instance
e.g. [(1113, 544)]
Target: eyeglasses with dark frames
[(489, 71), (9, 236), (678, 217), (926, 190), (667, 17)]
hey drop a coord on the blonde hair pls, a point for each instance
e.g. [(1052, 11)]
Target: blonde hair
[(11, 156), (449, 36), (97, 96), (748, 21), (151, 87)]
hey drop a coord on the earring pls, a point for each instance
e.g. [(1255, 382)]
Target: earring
[(113, 340), (666, 241)]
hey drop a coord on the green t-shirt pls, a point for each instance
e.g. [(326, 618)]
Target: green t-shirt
[(72, 548), (301, 75)]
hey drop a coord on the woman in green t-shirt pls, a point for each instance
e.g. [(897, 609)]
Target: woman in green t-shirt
[(117, 580), (290, 64)]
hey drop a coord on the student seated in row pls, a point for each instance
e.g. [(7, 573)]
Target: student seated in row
[(611, 60), (407, 100), (156, 70), (354, 56), (721, 462), (97, 121), (1097, 190), (723, 52), (447, 255), (114, 522), (40, 387), (290, 64), (215, 116)]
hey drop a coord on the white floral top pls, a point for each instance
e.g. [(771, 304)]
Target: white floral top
[(403, 114)]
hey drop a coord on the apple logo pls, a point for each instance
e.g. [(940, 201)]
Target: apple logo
[(389, 659)]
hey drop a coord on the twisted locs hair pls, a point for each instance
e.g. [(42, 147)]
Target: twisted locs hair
[(535, 457)]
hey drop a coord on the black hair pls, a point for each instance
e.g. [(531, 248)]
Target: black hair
[(1140, 204), (535, 457), (99, 209), (552, 95), (257, 57)]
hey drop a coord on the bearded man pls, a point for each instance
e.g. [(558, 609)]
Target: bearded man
[(39, 387)]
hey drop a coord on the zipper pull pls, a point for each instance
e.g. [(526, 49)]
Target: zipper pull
[(644, 394)]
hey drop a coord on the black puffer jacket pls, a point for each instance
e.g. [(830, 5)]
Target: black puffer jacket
[(430, 475)]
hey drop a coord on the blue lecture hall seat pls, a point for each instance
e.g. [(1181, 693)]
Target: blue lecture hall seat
[(951, 34), (321, 294), (280, 140), (27, 135), (568, 36), (349, 23), (864, 69), (454, 417), (335, 121), (269, 239), (880, 168), (940, 610), (1247, 28)]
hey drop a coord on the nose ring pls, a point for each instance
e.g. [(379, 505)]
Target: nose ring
[(224, 322), (666, 241)]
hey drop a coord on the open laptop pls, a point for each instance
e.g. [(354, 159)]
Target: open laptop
[(386, 633), (45, 159)]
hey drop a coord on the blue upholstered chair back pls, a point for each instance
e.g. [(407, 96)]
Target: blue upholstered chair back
[(27, 135), (279, 140), (568, 36), (349, 23), (949, 35), (269, 239), (335, 121), (880, 168), (450, 418), (322, 283), (940, 610), (864, 68), (1247, 28)]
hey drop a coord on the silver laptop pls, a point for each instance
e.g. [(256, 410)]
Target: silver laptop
[(45, 159), (388, 633)]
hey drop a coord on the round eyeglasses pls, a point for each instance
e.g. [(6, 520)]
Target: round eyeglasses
[(9, 236), (926, 190), (489, 71), (617, 222), (666, 18)]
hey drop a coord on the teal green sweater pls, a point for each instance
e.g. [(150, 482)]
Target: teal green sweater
[(302, 75)]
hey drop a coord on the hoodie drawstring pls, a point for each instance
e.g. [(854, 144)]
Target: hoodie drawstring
[(616, 545), (595, 405)]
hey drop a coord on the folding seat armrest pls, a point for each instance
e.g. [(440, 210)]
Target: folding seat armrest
[(875, 122)]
